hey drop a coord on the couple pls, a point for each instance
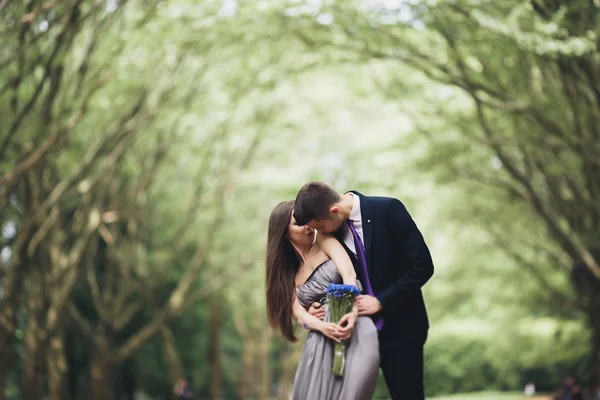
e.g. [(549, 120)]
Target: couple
[(370, 239)]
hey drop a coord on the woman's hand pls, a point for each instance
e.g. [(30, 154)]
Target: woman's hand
[(331, 330), (347, 324)]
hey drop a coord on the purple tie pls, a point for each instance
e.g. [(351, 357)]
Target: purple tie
[(360, 252)]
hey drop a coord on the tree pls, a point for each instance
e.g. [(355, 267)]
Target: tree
[(44, 197), (101, 96), (524, 119)]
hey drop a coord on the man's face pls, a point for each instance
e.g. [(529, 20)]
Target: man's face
[(328, 225)]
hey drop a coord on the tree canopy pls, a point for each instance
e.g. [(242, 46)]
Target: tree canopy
[(144, 144)]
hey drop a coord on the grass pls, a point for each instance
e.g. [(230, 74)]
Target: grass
[(483, 396)]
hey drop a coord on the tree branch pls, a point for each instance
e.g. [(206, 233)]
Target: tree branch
[(9, 178), (64, 39)]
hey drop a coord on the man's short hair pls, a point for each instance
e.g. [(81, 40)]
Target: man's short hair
[(313, 201)]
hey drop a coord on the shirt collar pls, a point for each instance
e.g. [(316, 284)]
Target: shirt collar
[(355, 213)]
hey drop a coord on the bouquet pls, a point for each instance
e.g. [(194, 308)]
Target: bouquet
[(340, 299)]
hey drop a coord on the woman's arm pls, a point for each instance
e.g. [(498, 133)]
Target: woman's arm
[(340, 258), (338, 255), (313, 323)]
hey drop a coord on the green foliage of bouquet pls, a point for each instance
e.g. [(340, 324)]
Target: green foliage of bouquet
[(340, 299)]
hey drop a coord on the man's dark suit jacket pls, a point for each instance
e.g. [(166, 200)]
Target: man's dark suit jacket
[(399, 264)]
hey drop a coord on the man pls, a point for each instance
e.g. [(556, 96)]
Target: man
[(392, 262), (568, 389), (183, 389)]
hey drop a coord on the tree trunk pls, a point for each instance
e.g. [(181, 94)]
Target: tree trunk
[(594, 323), (264, 388), (126, 384), (57, 368), (33, 378), (289, 361), (245, 373), (10, 304), (7, 334), (214, 349), (100, 371), (587, 288), (171, 357), (129, 385)]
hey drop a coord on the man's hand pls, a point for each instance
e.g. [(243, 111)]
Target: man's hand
[(368, 305), (317, 311)]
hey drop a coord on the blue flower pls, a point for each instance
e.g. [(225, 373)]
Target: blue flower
[(338, 290)]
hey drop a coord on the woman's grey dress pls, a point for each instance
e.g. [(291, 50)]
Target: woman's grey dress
[(314, 380)]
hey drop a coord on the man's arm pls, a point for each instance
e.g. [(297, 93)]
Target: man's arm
[(412, 244)]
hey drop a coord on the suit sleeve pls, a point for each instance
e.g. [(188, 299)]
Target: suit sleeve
[(415, 251)]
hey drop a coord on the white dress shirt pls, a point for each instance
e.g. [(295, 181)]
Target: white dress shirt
[(356, 219)]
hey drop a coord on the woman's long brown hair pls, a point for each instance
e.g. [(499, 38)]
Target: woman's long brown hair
[(282, 266)]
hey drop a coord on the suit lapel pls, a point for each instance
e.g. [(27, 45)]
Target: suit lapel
[(367, 226)]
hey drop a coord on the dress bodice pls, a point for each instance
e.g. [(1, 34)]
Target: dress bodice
[(316, 285)]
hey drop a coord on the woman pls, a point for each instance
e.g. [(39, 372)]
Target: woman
[(299, 269)]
